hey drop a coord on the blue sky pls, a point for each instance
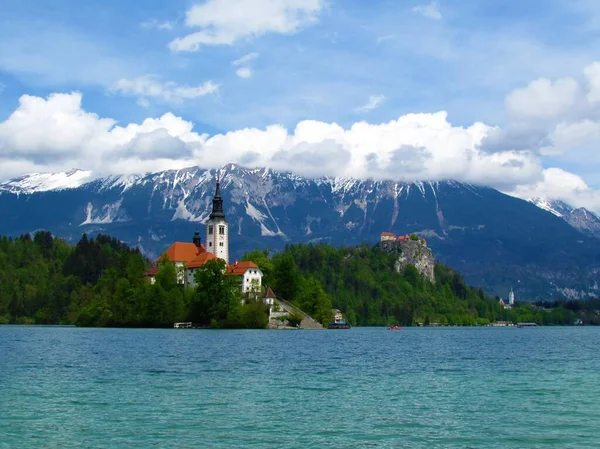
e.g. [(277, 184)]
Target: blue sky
[(328, 61)]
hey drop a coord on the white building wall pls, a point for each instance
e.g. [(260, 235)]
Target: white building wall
[(190, 280), (217, 239), (250, 275), (180, 270)]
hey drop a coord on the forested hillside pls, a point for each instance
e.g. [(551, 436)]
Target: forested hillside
[(100, 282), (362, 283)]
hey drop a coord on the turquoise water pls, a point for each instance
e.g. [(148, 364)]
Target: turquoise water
[(357, 388)]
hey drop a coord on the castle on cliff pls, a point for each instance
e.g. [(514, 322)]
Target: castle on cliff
[(411, 250)]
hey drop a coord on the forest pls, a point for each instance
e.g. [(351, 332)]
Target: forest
[(100, 282)]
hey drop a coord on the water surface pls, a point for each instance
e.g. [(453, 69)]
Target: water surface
[(357, 388)]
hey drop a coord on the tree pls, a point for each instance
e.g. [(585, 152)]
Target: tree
[(167, 275), (315, 301), (286, 277), (217, 294)]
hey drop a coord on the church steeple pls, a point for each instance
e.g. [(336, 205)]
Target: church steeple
[(217, 229), (217, 209)]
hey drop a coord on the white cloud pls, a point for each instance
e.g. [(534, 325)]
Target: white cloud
[(558, 184), (562, 115), (431, 11), (592, 75), (223, 22), (543, 99), (246, 59), (571, 136), (56, 134), (244, 72), (58, 131), (155, 24), (243, 63), (151, 87), (374, 102)]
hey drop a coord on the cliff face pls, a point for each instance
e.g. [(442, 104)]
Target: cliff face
[(412, 252)]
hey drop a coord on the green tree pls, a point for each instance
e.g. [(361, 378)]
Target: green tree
[(286, 277), (217, 294)]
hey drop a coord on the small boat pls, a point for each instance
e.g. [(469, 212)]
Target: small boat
[(338, 325), (394, 328)]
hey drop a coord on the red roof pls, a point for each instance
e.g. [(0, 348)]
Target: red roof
[(239, 268), (388, 234), (201, 259), (182, 252), (269, 293)]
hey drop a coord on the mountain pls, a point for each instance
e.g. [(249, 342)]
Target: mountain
[(41, 182), (580, 218), (495, 240)]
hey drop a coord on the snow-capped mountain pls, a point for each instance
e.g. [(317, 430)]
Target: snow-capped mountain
[(580, 218), (495, 240), (42, 182)]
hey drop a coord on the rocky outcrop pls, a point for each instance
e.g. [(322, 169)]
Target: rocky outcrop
[(412, 252)]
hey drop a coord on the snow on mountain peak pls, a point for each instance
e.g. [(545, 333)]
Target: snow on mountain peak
[(42, 182), (557, 208)]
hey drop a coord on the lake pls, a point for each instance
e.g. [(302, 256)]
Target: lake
[(357, 388)]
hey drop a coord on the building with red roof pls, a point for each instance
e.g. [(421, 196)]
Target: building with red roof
[(387, 236), (189, 257), (249, 273)]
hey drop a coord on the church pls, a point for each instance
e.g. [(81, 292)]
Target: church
[(188, 257)]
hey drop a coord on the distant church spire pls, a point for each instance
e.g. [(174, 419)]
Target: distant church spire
[(217, 209)]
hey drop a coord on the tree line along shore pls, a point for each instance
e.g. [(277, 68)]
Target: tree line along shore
[(100, 282)]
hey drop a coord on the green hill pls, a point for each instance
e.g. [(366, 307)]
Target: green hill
[(100, 282)]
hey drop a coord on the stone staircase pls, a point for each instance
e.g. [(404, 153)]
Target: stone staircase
[(287, 308)]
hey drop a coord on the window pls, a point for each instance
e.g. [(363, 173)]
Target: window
[(210, 230), (209, 243), (221, 230), (220, 243)]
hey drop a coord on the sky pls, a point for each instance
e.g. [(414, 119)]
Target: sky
[(502, 93)]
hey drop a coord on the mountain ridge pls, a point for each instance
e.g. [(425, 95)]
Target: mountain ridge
[(494, 239), (580, 218)]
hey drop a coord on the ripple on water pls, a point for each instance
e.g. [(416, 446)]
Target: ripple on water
[(365, 388)]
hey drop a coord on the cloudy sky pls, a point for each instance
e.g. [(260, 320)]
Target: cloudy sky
[(498, 92)]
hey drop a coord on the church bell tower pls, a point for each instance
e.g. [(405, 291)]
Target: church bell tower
[(217, 229)]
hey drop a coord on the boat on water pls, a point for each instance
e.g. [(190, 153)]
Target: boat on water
[(394, 328), (526, 324), (338, 325)]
